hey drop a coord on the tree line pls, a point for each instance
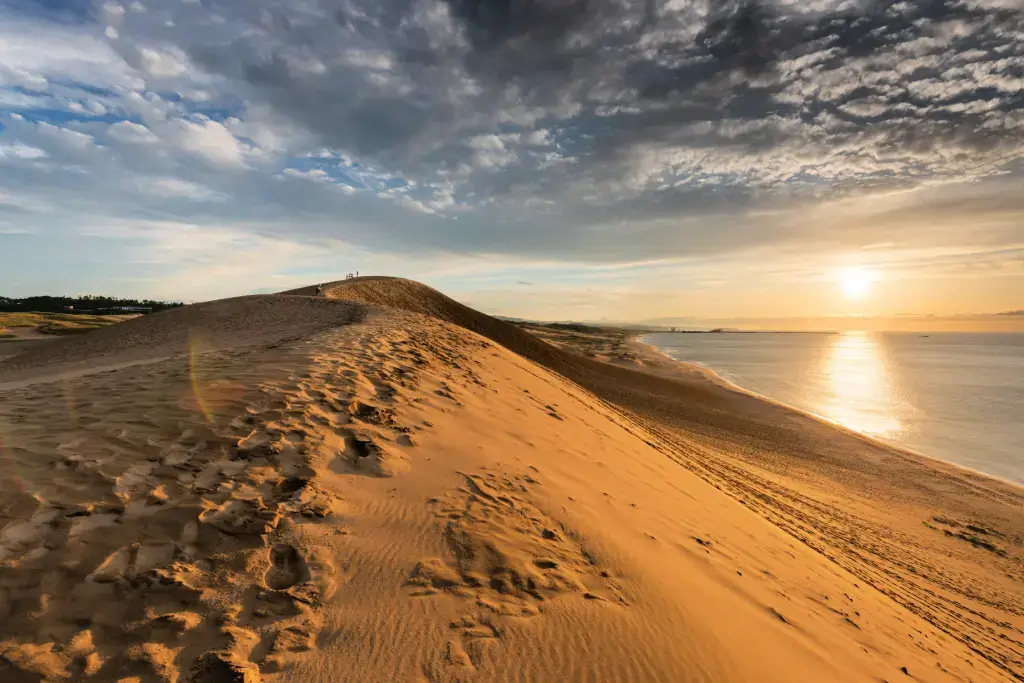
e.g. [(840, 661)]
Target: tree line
[(89, 303)]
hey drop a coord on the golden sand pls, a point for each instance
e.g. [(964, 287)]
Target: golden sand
[(383, 485)]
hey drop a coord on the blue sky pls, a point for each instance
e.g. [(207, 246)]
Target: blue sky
[(608, 159)]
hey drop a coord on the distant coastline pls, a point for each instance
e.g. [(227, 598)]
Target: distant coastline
[(724, 330)]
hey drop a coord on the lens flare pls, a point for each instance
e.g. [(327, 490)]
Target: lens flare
[(8, 465), (197, 381), (206, 390)]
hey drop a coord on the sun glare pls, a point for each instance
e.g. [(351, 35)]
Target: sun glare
[(856, 283)]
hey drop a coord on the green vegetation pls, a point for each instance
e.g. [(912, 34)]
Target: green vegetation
[(61, 315), (54, 323), (88, 304)]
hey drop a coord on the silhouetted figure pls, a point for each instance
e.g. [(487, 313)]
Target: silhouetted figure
[(319, 290)]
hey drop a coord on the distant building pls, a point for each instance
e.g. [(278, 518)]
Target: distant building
[(125, 309)]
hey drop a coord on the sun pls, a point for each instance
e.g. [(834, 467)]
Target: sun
[(856, 283)]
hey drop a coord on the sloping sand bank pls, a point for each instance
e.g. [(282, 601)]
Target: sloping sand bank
[(298, 489)]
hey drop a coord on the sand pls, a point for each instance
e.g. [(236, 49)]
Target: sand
[(383, 485), (20, 333)]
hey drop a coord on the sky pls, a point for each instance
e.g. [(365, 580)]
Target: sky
[(551, 159)]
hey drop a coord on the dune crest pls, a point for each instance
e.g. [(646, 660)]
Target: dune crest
[(298, 489)]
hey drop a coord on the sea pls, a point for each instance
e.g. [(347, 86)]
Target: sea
[(954, 396)]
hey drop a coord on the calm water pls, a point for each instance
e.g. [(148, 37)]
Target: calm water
[(954, 396)]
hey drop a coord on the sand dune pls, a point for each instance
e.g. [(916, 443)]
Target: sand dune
[(384, 485), (878, 511)]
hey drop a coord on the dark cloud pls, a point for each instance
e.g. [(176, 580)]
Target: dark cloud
[(757, 35), (605, 129), (497, 24), (779, 89)]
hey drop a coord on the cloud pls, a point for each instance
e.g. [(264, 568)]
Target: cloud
[(316, 174), (34, 54), (64, 138), (598, 131), (457, 67), (210, 141), (177, 188), (19, 151), (131, 133), (162, 64)]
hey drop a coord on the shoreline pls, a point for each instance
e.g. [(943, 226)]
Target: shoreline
[(685, 369)]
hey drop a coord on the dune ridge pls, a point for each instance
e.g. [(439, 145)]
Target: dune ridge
[(794, 468), (384, 485)]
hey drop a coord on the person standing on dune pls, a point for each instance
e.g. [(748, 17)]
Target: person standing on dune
[(319, 290)]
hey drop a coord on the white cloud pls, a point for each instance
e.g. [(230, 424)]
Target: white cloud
[(211, 141), (19, 151), (11, 76), (64, 138), (12, 99), (177, 188), (163, 63), (131, 133), (490, 150), (269, 132), (113, 9), (24, 203), (538, 137), (316, 174), (368, 59), (33, 54), (196, 95)]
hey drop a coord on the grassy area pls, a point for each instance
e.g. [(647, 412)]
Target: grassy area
[(602, 343), (55, 323)]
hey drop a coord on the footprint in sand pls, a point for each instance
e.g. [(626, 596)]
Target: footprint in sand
[(369, 455), (287, 567)]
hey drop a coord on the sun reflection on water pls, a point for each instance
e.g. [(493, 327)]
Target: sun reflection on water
[(859, 391)]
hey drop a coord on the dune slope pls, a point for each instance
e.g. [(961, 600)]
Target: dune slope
[(297, 489), (945, 543)]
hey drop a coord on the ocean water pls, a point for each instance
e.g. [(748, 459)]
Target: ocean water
[(954, 396)]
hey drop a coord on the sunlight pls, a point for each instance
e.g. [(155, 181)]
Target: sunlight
[(860, 394), (856, 282)]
